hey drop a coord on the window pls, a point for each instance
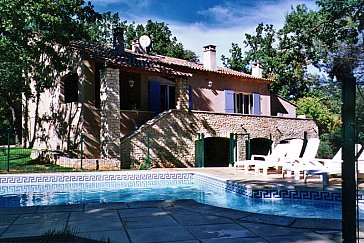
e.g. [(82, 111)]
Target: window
[(168, 97), (243, 103), (161, 96), (71, 88)]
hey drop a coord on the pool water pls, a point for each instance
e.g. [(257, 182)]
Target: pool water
[(103, 192)]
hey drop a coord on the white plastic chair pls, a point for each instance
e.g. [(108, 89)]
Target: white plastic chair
[(294, 148), (327, 167), (298, 164), (277, 158), (278, 153)]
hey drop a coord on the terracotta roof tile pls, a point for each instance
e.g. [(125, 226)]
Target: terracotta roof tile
[(156, 63), (127, 59)]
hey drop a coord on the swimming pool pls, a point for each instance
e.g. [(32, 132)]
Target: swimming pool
[(74, 188)]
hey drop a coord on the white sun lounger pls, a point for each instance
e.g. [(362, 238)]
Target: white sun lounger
[(327, 167), (298, 164), (275, 159)]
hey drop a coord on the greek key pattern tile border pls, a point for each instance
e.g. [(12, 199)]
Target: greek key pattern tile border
[(69, 187), (270, 193), (91, 177)]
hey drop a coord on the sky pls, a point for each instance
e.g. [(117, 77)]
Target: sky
[(197, 23)]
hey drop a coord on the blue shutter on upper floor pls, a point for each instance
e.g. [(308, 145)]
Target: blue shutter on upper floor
[(229, 101), (190, 97), (154, 96), (256, 104)]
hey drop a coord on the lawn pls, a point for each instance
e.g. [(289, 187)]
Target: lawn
[(20, 162)]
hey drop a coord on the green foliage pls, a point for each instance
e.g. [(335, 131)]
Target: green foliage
[(162, 40), (20, 162), (29, 31), (236, 61), (282, 62), (307, 38), (314, 107)]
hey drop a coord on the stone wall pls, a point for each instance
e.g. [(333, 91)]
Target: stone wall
[(172, 135), (182, 96), (110, 113)]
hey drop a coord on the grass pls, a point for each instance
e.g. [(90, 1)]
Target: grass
[(20, 162)]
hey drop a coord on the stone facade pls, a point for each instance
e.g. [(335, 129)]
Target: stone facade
[(182, 96), (110, 113), (172, 135)]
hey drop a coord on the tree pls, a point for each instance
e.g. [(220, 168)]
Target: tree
[(162, 40), (338, 32), (282, 60), (29, 31), (315, 107), (236, 61)]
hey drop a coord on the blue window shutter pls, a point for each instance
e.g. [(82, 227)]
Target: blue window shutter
[(229, 101), (154, 96), (189, 97), (256, 104)]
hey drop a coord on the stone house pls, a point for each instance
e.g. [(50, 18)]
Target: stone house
[(129, 105)]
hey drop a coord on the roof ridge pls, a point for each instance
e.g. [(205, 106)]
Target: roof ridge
[(107, 52)]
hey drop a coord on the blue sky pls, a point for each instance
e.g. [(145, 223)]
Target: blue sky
[(197, 23)]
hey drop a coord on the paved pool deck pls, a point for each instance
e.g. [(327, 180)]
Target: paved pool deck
[(170, 221)]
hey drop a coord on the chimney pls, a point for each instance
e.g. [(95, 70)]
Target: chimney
[(209, 57), (257, 70), (136, 47), (118, 41)]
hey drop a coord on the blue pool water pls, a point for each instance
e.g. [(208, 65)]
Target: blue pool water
[(96, 192)]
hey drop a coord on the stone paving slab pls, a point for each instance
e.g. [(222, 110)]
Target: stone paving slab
[(3, 228), (8, 219), (135, 212), (183, 241), (41, 218), (307, 237), (150, 204), (60, 208), (34, 229), (96, 225), (5, 211), (170, 221), (147, 222), (317, 223), (107, 235), (269, 219), (94, 214), (105, 206), (228, 213), (160, 234), (265, 230), (178, 210), (236, 240), (199, 219), (219, 231)]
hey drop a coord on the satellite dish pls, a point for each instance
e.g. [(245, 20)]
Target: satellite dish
[(144, 41)]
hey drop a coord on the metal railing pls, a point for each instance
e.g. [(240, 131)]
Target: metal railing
[(12, 155)]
